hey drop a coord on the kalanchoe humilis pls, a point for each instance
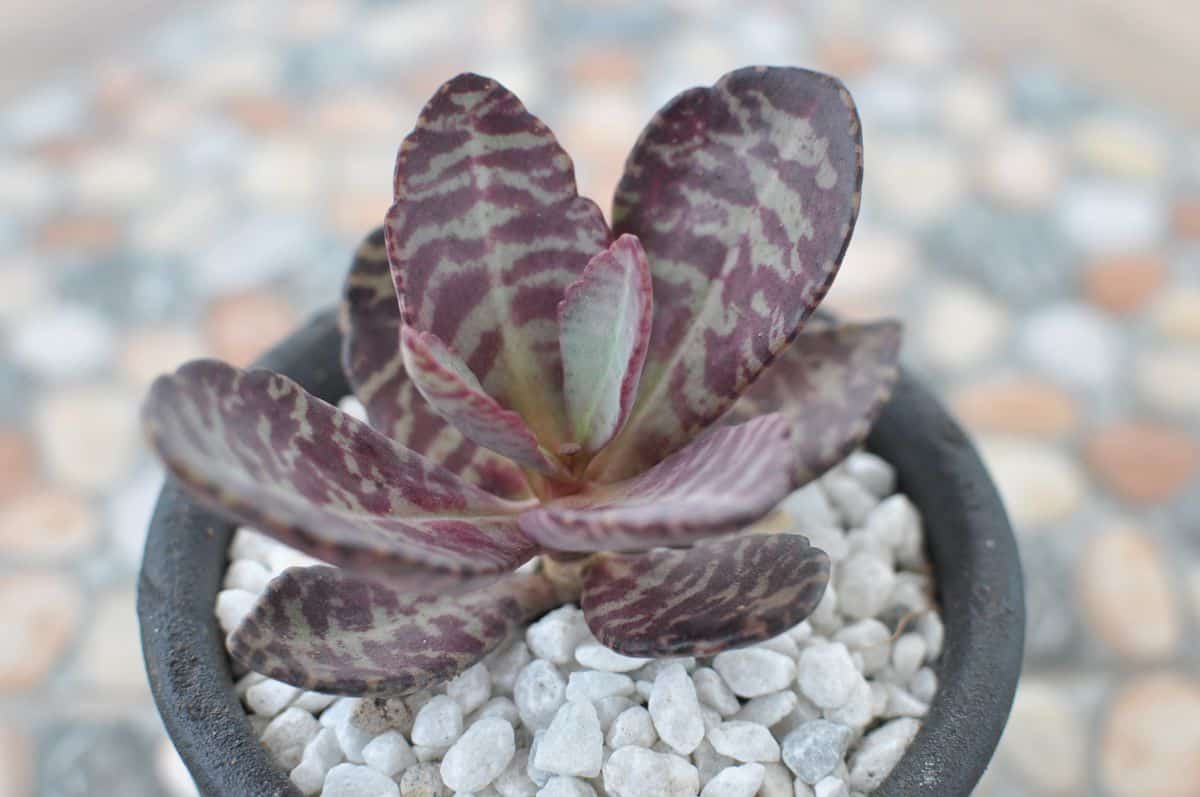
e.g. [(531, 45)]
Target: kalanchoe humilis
[(540, 384)]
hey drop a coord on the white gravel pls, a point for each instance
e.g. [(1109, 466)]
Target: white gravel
[(824, 710)]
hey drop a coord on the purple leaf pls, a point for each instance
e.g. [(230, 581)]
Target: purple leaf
[(374, 364), (744, 196), (486, 232), (831, 383), (454, 393), (728, 478), (714, 596), (256, 446), (325, 629), (604, 328)]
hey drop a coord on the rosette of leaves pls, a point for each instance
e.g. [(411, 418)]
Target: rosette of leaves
[(621, 401)]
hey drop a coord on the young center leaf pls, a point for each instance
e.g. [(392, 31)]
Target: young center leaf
[(716, 595), (486, 233), (604, 328), (256, 446), (831, 383), (328, 630), (744, 196), (374, 364), (454, 393), (726, 479)]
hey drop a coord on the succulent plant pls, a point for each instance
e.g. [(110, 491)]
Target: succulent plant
[(540, 385)]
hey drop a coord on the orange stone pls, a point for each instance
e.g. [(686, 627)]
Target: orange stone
[(244, 325), (46, 523), (1151, 740), (17, 464), (1142, 461), (1125, 594), (1185, 217), (1016, 406), (1122, 284)]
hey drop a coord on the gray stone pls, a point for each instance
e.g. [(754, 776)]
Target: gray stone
[(814, 749)]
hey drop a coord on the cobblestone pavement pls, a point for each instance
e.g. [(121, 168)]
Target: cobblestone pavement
[(201, 192)]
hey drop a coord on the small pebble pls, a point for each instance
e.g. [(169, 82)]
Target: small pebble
[(321, 754), (751, 672), (338, 710), (555, 636), (827, 674), (539, 691), (269, 697), (675, 709), (514, 781), (610, 708), (766, 710), (287, 735), (598, 657), (709, 763), (879, 752), (388, 753), (831, 787), (777, 782), (871, 639), (247, 575), (741, 781), (501, 707), (574, 743), (423, 780), (929, 626), (232, 607), (638, 772), (506, 664), (923, 685), (566, 786), (810, 503), (592, 685), (471, 688), (860, 707), (352, 738), (438, 723), (872, 472), (538, 776), (902, 704), (479, 755), (713, 691), (814, 749), (314, 702), (864, 584), (852, 501), (908, 653), (744, 741), (632, 726), (352, 780)]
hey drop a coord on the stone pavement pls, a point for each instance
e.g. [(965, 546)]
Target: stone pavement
[(202, 192)]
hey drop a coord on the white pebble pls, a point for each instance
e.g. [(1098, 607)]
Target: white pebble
[(852, 501), (901, 704), (929, 626), (675, 709), (514, 781), (923, 685), (742, 781), (908, 654), (872, 472), (653, 667), (709, 763), (825, 617), (338, 710), (710, 717), (248, 680), (859, 708), (744, 741), (777, 782), (599, 657), (879, 752), (751, 672), (479, 755), (538, 776), (912, 592), (870, 639), (782, 644), (248, 575), (314, 702), (232, 607), (352, 739), (713, 691), (506, 664), (864, 585), (827, 674), (831, 787), (555, 636), (638, 772), (438, 723), (566, 786), (269, 697), (501, 707), (351, 780), (592, 685), (423, 780), (470, 688), (321, 754), (250, 544), (538, 692), (809, 507), (287, 735), (632, 726), (894, 521), (389, 753), (610, 708), (766, 710), (574, 743)]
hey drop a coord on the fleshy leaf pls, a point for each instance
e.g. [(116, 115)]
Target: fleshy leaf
[(831, 383), (454, 393), (716, 595), (486, 232), (374, 364), (730, 477), (328, 630), (604, 328), (744, 196), (256, 446)]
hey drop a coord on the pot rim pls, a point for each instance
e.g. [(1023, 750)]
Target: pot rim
[(978, 579)]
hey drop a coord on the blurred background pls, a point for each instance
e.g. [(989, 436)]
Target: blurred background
[(181, 179)]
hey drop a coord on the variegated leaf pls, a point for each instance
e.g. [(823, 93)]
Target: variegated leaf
[(255, 445), (486, 232), (744, 196), (832, 383), (604, 328), (728, 478), (328, 630), (374, 364), (717, 595), (454, 393)]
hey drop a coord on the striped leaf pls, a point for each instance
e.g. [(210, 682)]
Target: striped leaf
[(325, 629), (604, 328), (486, 233), (730, 477), (454, 393), (831, 383), (716, 595), (373, 362), (256, 446), (744, 196)]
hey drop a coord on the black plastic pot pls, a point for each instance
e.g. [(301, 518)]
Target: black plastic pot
[(970, 542)]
